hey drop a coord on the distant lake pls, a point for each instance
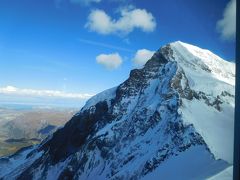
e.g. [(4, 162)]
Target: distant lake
[(18, 102), (21, 107)]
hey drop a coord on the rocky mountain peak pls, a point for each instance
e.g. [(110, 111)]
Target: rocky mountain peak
[(156, 117)]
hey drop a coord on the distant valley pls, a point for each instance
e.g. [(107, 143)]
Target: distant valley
[(22, 125)]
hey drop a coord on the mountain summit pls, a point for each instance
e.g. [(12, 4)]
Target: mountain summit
[(172, 119)]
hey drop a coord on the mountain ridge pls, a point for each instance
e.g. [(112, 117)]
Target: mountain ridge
[(132, 130)]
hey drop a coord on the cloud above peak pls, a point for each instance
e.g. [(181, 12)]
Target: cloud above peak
[(227, 25), (142, 56), (109, 61), (99, 21)]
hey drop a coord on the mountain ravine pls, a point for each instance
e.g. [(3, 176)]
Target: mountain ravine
[(172, 119)]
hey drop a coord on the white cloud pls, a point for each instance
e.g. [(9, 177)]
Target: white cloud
[(227, 25), (100, 22), (42, 93), (110, 61), (142, 56)]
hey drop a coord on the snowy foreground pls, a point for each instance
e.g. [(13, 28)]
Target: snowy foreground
[(172, 119)]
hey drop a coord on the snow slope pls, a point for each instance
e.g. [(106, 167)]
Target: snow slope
[(227, 174), (216, 127), (218, 137), (17, 162), (202, 167)]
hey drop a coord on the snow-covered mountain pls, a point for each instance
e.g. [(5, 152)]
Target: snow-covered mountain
[(172, 119)]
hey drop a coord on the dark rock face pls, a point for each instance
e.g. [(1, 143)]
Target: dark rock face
[(184, 92), (225, 93), (162, 56), (139, 77), (69, 139)]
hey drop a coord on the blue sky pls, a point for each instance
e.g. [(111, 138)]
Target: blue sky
[(57, 44)]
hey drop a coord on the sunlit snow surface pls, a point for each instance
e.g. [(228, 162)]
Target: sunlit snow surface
[(194, 58), (105, 95), (215, 127)]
